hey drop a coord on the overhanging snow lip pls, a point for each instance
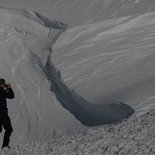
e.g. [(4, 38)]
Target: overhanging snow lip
[(87, 113)]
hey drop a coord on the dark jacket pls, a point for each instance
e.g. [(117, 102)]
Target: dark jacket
[(5, 93)]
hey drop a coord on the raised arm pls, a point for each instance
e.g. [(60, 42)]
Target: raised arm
[(9, 93)]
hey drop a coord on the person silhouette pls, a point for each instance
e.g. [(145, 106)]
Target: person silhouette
[(6, 92)]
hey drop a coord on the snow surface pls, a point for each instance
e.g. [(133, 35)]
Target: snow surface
[(106, 56), (26, 48), (79, 12), (110, 61)]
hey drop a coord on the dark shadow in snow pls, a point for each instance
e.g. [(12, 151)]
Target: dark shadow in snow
[(87, 113)]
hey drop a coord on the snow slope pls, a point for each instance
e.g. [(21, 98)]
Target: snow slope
[(79, 12), (26, 48), (104, 61), (111, 61), (25, 43)]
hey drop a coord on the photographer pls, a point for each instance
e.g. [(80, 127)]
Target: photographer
[(6, 92)]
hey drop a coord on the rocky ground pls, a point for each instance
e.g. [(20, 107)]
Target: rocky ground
[(135, 136)]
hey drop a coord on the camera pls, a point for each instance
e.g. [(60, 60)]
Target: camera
[(6, 86)]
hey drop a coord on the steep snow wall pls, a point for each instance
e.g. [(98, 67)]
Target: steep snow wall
[(112, 60), (26, 40), (87, 113)]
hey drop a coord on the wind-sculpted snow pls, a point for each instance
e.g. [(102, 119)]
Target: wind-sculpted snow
[(26, 40), (111, 61), (87, 113)]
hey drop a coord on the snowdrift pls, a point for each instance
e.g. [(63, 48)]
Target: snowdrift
[(26, 40), (117, 58)]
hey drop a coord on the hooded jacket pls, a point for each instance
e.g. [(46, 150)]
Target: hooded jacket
[(5, 94)]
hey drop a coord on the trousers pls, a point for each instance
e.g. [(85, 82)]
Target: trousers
[(5, 122)]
